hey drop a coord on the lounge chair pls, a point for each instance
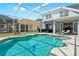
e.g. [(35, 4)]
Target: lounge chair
[(67, 32)]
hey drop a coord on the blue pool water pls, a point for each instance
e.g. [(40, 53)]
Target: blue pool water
[(31, 45)]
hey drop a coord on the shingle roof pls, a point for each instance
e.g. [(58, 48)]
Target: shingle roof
[(76, 6), (5, 19)]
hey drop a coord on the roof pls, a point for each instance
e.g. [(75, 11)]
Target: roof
[(5, 19), (61, 8), (28, 22), (76, 6)]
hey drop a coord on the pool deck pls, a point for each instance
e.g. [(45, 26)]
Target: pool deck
[(69, 49), (62, 51)]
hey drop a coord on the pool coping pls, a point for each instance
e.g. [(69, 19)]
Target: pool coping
[(67, 36)]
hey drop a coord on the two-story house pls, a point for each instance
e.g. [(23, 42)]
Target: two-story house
[(61, 18)]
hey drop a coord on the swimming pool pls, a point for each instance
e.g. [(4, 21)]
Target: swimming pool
[(31, 45)]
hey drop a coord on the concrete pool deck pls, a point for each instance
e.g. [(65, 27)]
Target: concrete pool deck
[(68, 50), (62, 51)]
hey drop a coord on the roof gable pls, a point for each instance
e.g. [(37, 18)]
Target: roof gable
[(61, 8)]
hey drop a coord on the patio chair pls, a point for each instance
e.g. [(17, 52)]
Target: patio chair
[(67, 32), (63, 32)]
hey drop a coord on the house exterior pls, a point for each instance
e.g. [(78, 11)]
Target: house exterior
[(5, 23), (60, 18), (20, 25), (28, 25)]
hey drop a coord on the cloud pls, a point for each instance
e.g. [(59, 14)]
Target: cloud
[(20, 8), (15, 8)]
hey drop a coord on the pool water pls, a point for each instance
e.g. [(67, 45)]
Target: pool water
[(31, 45)]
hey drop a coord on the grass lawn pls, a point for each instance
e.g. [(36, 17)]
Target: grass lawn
[(5, 34), (10, 34)]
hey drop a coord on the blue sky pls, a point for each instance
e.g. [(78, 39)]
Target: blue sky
[(10, 8)]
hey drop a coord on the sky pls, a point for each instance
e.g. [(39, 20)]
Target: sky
[(25, 9)]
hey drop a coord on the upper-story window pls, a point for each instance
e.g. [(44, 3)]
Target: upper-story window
[(64, 13), (48, 16)]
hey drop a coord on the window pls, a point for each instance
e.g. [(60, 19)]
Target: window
[(48, 16), (64, 13), (61, 13)]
